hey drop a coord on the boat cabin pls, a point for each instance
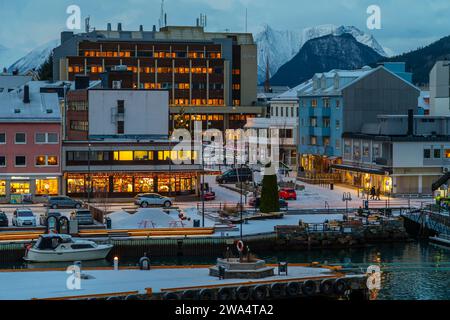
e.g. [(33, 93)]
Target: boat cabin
[(52, 241)]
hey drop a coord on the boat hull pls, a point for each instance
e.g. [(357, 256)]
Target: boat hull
[(97, 253)]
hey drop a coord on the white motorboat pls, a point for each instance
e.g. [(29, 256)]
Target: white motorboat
[(62, 248)]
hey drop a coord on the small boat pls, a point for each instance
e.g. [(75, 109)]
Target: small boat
[(62, 248)]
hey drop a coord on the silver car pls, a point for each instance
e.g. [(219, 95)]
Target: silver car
[(152, 199)]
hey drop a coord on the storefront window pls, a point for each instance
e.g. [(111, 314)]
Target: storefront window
[(366, 150), (123, 184), (20, 187), (100, 184), (144, 185), (2, 188), (47, 187), (356, 151), (166, 185), (376, 151), (76, 185)]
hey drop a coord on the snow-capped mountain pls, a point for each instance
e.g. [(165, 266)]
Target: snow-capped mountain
[(8, 56), (36, 58), (281, 46)]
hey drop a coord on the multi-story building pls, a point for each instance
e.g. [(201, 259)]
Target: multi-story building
[(209, 76), (400, 154), (440, 89), (340, 101), (30, 143), (118, 143)]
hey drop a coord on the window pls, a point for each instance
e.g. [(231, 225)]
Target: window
[(76, 125), (326, 122), (348, 148), (313, 140), (326, 103), (120, 127), (427, 153), (366, 150), (338, 104), (326, 141), (338, 144), (2, 188), (143, 155), (338, 124), (43, 138), (2, 161), (447, 153), (47, 187), (21, 161), (123, 156), (376, 151), (120, 106), (2, 138), (314, 103), (313, 121), (43, 161), (356, 151), (21, 138), (437, 153)]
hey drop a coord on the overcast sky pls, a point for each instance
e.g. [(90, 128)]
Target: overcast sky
[(406, 24)]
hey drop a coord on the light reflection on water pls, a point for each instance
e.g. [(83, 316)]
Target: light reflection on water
[(417, 271)]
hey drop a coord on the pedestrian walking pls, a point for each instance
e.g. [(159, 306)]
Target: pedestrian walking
[(378, 193), (372, 193)]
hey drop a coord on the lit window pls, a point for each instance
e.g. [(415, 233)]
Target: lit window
[(40, 161), (123, 155)]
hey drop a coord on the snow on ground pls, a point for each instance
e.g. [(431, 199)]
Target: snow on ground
[(147, 218), (28, 285)]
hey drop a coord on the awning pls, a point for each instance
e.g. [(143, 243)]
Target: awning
[(382, 172)]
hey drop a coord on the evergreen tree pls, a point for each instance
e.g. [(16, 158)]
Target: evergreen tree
[(45, 72), (270, 201)]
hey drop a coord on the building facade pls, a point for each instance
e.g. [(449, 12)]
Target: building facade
[(337, 102), (440, 89), (30, 144), (204, 73)]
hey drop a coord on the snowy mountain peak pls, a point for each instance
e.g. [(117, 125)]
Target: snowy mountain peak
[(281, 46), (36, 58)]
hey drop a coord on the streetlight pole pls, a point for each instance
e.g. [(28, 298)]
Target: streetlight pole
[(89, 174), (202, 187)]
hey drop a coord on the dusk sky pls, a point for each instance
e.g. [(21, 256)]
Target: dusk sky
[(406, 24)]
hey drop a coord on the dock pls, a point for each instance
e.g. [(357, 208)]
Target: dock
[(180, 283)]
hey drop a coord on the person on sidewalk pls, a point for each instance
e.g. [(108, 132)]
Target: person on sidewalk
[(372, 193), (378, 193)]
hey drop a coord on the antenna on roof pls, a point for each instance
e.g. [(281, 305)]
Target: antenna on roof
[(202, 20), (162, 16), (246, 19), (87, 24)]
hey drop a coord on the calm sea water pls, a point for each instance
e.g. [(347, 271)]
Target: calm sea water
[(417, 270)]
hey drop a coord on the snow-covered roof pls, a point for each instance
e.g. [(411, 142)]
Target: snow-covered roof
[(9, 82), (43, 107)]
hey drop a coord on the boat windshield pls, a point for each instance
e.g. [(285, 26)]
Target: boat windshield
[(47, 243)]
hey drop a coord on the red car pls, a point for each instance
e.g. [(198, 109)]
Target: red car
[(288, 194), (209, 196)]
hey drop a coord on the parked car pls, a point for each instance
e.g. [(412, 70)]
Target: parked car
[(288, 194), (24, 218), (236, 175), (4, 222), (83, 216), (63, 202), (256, 202), (152, 199), (209, 196), (43, 218)]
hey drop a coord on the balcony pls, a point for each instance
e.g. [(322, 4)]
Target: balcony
[(321, 112)]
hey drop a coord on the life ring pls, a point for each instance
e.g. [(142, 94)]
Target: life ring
[(171, 296), (189, 295), (340, 286), (225, 294), (326, 287), (309, 287), (243, 293), (259, 292), (293, 289), (240, 246), (206, 294), (277, 290)]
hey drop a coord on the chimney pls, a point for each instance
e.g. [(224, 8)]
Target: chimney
[(109, 27), (410, 122), (119, 26), (26, 94), (154, 28), (141, 28)]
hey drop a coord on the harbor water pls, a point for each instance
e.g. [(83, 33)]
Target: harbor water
[(415, 270)]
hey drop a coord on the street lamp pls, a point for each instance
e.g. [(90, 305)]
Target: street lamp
[(346, 197), (89, 174)]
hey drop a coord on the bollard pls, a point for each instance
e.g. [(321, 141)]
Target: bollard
[(116, 264)]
